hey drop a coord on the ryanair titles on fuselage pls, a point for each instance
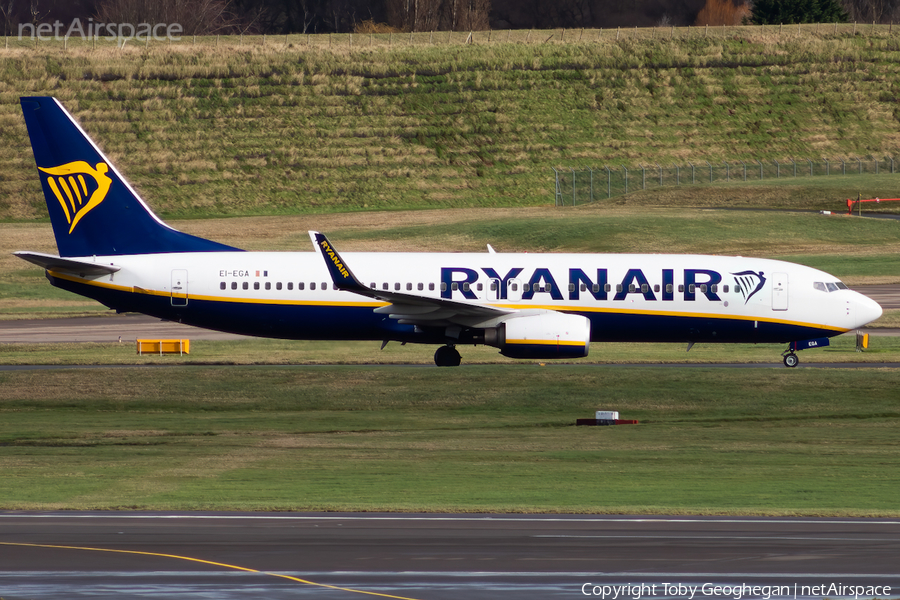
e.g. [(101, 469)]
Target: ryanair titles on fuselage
[(541, 280)]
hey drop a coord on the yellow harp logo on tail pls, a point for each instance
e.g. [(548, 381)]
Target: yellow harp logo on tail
[(75, 193)]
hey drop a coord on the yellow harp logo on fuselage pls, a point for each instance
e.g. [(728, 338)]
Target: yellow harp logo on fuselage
[(76, 196)]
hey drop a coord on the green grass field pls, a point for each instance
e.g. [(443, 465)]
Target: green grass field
[(288, 128), (489, 438)]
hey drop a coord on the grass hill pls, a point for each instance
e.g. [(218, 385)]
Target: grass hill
[(278, 128)]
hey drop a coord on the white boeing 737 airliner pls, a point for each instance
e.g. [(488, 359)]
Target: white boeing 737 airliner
[(112, 248)]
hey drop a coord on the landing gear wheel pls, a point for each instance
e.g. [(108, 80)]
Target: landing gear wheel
[(447, 356), (791, 360)]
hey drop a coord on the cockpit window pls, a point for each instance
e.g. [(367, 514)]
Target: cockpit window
[(829, 286)]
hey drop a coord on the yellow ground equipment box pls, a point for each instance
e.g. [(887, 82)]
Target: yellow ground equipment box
[(163, 346)]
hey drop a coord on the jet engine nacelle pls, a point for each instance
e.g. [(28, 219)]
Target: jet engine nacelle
[(548, 334)]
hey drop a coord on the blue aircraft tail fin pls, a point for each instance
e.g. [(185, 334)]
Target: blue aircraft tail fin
[(93, 209)]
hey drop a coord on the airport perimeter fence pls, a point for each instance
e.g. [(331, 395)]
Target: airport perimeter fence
[(581, 186), (84, 35)]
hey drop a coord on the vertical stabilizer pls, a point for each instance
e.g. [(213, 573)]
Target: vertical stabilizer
[(94, 211)]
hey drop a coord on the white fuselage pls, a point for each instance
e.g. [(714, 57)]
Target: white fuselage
[(637, 297)]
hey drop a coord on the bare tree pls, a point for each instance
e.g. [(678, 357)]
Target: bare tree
[(867, 11), (466, 15), (7, 8), (196, 17), (35, 11)]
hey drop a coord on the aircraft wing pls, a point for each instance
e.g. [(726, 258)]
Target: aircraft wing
[(67, 265), (405, 307)]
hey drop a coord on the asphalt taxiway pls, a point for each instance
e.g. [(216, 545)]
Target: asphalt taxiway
[(51, 556)]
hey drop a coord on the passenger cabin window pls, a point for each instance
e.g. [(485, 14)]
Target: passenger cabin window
[(396, 286), (595, 288), (444, 286), (269, 285), (234, 285), (246, 286), (255, 285), (312, 285), (656, 288), (222, 286), (430, 287), (301, 285), (669, 288)]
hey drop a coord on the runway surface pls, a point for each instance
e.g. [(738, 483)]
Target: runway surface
[(441, 557)]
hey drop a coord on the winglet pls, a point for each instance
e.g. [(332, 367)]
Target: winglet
[(340, 273)]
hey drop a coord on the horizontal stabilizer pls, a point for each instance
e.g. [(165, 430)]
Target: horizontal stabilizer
[(68, 265)]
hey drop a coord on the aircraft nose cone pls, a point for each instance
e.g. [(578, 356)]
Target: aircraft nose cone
[(865, 310)]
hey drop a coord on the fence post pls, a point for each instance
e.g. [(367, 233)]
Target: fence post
[(761, 177), (693, 179), (574, 199), (745, 169), (795, 166), (626, 179), (608, 182), (557, 196), (876, 165), (677, 175), (643, 177), (892, 165), (860, 165), (827, 167), (843, 167), (710, 172), (660, 174), (727, 175), (777, 169), (810, 167), (591, 169)]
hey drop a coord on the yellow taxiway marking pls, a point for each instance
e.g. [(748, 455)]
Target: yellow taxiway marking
[(208, 562)]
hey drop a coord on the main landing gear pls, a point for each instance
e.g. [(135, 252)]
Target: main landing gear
[(447, 356)]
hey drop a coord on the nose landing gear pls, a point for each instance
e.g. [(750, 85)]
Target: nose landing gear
[(790, 359)]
